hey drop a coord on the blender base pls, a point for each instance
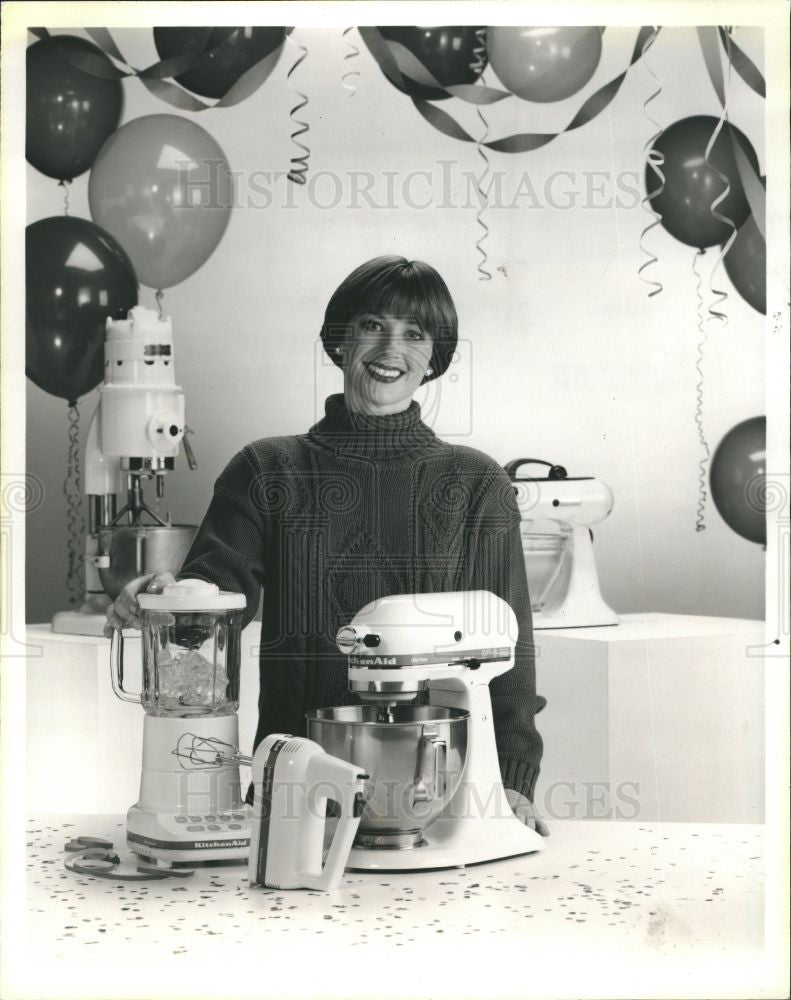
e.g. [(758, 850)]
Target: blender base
[(192, 839), (449, 843)]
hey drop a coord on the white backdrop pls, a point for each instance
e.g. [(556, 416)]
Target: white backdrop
[(564, 355)]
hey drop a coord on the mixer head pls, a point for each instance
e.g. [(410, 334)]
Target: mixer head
[(397, 645)]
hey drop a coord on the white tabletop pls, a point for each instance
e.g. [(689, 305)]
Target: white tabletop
[(608, 909)]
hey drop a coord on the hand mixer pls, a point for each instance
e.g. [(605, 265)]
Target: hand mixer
[(557, 512), (434, 797)]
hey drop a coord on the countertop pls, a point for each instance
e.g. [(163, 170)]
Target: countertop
[(608, 909)]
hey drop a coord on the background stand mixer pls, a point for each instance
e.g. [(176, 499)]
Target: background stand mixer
[(134, 435)]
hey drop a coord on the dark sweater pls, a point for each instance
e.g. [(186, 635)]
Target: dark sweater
[(358, 508)]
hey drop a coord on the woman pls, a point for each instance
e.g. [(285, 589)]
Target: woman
[(368, 503)]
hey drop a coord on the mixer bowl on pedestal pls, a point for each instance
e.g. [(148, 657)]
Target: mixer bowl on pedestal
[(414, 761), (138, 550)]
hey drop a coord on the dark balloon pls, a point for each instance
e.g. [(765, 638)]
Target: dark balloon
[(70, 113), (738, 479), (77, 276), (452, 55), (745, 264), (230, 52), (692, 184)]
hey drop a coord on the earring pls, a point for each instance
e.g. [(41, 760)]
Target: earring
[(339, 350), (429, 372)]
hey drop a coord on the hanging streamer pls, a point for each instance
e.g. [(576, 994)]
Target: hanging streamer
[(655, 161), (299, 164), (720, 295), (743, 65), (483, 199), (754, 190), (390, 59), (65, 186), (75, 520), (702, 494), (350, 75), (154, 77)]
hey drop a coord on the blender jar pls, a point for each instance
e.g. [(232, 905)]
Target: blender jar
[(191, 649)]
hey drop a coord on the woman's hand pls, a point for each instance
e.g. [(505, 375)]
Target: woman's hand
[(124, 612), (525, 810)]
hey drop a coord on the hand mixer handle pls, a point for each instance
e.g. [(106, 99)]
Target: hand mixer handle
[(117, 669), (349, 779)]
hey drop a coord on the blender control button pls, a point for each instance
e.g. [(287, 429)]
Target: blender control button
[(211, 819), (225, 816), (181, 819), (234, 826), (237, 816), (196, 819), (196, 828), (213, 826)]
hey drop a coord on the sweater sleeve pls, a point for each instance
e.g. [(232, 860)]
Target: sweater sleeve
[(228, 549), (498, 566)]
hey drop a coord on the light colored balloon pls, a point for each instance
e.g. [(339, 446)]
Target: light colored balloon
[(161, 185), (544, 64)]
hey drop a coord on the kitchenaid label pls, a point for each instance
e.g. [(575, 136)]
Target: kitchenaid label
[(488, 654), (267, 786), (188, 845)]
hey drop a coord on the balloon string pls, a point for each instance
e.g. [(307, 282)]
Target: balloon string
[(299, 164), (75, 522), (699, 522), (65, 186), (479, 52), (720, 296), (349, 77), (655, 162), (159, 296)]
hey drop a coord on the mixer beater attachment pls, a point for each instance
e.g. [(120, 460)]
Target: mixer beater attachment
[(203, 753)]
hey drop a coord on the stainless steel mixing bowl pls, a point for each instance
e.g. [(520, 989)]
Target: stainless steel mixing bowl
[(414, 761), (135, 551)]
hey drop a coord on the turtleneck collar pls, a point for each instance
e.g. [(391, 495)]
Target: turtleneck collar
[(351, 433)]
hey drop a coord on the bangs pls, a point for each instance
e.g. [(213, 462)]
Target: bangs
[(413, 296)]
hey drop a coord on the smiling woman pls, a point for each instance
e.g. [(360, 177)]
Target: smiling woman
[(369, 503)]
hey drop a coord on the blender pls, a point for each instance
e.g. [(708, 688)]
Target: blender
[(191, 658)]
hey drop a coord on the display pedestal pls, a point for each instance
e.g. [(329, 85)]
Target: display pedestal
[(658, 718), (84, 745)]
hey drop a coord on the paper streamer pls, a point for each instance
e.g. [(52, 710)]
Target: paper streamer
[(655, 161), (153, 77), (483, 199), (299, 164), (751, 183), (75, 520), (700, 524), (743, 65), (350, 75), (65, 186), (390, 58)]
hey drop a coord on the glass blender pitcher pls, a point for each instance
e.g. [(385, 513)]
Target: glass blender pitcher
[(189, 808)]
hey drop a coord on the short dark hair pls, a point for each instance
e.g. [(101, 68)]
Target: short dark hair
[(395, 286)]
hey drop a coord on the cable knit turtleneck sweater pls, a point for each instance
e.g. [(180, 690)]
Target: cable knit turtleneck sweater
[(358, 508)]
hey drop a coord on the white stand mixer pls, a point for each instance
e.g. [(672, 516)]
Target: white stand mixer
[(134, 434), (557, 512), (448, 646)]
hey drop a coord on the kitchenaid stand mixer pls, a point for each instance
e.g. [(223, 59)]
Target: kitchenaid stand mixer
[(443, 648)]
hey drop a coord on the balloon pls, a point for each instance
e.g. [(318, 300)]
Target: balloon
[(230, 53), (77, 276), (70, 113), (544, 64), (738, 479), (162, 187), (745, 264), (692, 185), (448, 53)]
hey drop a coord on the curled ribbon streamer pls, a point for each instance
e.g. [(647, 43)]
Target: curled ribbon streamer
[(699, 521), (520, 143), (742, 63), (397, 62), (483, 199), (65, 186), (75, 521), (655, 162), (299, 164), (350, 75), (152, 77), (751, 182), (721, 296)]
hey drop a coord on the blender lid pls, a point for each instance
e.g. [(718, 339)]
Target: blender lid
[(192, 594)]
